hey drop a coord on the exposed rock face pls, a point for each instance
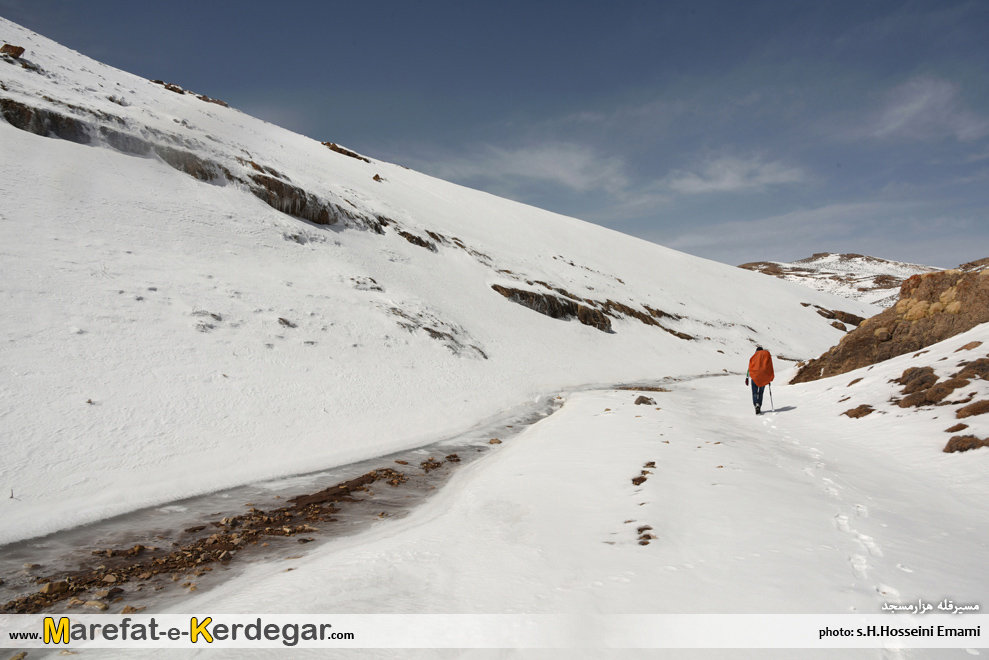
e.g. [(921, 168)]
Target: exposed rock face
[(333, 146), (932, 307), (557, 308), (44, 122), (90, 129), (291, 200), (12, 50)]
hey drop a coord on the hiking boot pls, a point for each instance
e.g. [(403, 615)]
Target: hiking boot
[(758, 410)]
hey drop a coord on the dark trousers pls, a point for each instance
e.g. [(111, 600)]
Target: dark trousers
[(757, 394)]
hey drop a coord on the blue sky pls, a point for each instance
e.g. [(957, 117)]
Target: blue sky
[(736, 131)]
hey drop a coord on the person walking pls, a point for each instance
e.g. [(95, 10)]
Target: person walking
[(761, 374)]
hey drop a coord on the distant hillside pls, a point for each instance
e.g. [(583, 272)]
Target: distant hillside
[(855, 276)]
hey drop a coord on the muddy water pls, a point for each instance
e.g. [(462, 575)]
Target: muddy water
[(65, 552)]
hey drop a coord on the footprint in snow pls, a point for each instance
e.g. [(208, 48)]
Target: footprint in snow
[(904, 568), (870, 544), (860, 565), (888, 592), (841, 522), (861, 511)]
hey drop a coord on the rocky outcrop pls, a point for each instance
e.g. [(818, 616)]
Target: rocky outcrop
[(12, 51), (416, 240), (292, 200), (333, 146), (88, 127), (964, 443), (556, 308), (45, 122), (932, 307)]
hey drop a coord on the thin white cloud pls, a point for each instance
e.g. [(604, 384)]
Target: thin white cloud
[(731, 174), (571, 166), (927, 108), (908, 231)]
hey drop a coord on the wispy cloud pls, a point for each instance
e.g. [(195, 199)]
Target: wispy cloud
[(911, 231), (575, 167), (927, 108), (730, 174)]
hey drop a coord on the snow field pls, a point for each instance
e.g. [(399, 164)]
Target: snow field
[(793, 512)]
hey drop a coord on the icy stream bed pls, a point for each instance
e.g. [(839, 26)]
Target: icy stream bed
[(69, 551)]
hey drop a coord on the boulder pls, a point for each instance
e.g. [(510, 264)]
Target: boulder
[(12, 50)]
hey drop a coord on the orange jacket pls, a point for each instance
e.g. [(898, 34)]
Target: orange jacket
[(761, 368)]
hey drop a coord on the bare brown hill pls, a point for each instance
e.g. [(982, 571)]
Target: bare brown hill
[(931, 308)]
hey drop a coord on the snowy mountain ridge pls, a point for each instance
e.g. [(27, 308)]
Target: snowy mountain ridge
[(854, 276)]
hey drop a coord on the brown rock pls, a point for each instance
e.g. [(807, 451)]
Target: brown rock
[(956, 428), (100, 605), (913, 400), (12, 50), (977, 369), (839, 325), (940, 391), (111, 578), (644, 400), (345, 151), (932, 308), (977, 408), (861, 411), (916, 379), (494, 441), (59, 587), (638, 481), (129, 609), (969, 346), (964, 443)]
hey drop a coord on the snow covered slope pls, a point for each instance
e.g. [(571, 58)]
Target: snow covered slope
[(855, 276), (801, 510), (170, 328)]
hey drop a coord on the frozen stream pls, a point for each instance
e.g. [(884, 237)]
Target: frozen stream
[(71, 550), (165, 527)]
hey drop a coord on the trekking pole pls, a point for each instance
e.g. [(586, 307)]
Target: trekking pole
[(771, 397)]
